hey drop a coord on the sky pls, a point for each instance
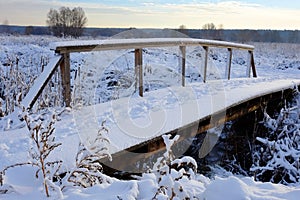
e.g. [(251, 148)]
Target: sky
[(234, 14)]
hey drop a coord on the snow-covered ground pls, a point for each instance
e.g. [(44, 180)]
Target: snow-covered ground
[(104, 76)]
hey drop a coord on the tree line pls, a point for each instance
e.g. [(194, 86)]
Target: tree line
[(280, 36), (211, 31)]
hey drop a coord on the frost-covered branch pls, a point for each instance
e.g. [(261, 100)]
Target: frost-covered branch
[(42, 135), (278, 160), (171, 174), (41, 130), (88, 170)]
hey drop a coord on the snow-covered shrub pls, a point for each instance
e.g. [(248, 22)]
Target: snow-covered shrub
[(13, 84), (43, 143), (41, 128), (88, 169), (22, 60), (172, 174), (277, 160)]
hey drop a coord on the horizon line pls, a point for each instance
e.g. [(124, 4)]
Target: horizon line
[(94, 27)]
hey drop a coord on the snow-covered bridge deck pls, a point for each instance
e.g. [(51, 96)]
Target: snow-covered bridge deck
[(136, 123)]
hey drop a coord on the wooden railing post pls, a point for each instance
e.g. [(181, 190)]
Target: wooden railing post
[(248, 72), (136, 69), (205, 63), (66, 76), (229, 62), (253, 64), (138, 53), (183, 60)]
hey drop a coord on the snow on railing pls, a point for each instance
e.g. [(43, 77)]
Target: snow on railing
[(115, 44), (40, 82)]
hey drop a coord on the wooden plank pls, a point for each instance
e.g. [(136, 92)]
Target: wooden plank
[(229, 62), (116, 44), (253, 65), (248, 72), (136, 68), (138, 53), (41, 82), (183, 61), (66, 78), (141, 82), (205, 63), (63, 77)]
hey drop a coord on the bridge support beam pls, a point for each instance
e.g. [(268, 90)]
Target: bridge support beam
[(182, 63), (66, 78), (138, 53)]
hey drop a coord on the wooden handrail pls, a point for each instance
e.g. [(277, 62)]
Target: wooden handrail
[(116, 44), (65, 48)]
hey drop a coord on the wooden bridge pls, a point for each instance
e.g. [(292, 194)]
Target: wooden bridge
[(224, 105)]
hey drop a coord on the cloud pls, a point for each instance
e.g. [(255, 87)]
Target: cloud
[(157, 13), (151, 8)]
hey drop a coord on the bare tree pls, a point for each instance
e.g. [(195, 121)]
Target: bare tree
[(66, 22), (209, 26), (211, 32), (183, 29), (220, 26), (79, 20), (53, 21)]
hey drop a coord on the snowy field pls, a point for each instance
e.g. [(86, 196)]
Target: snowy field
[(99, 78)]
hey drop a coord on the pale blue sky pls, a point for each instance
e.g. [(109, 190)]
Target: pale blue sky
[(243, 14), (270, 3)]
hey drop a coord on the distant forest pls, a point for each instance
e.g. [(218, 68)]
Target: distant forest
[(281, 36)]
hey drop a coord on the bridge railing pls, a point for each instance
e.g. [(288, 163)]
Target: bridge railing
[(65, 48)]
